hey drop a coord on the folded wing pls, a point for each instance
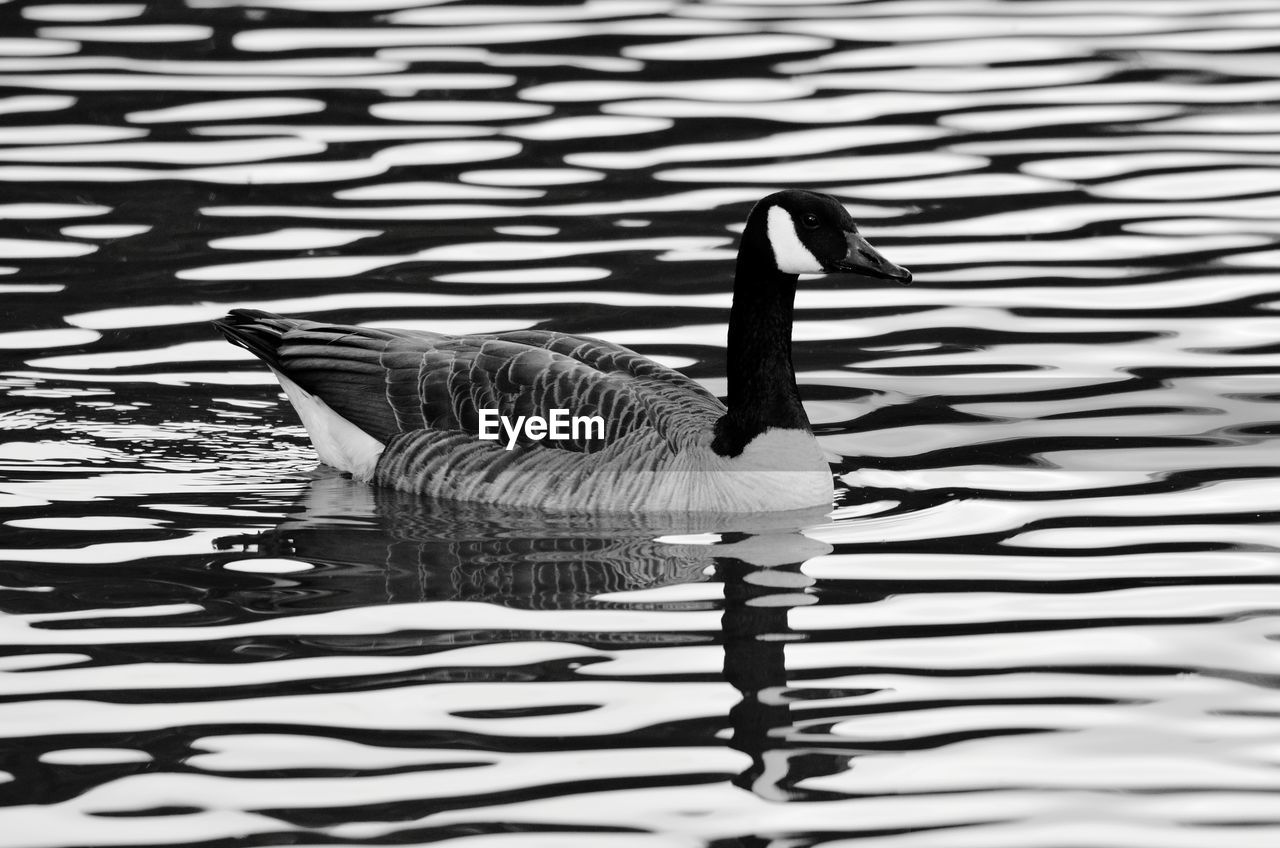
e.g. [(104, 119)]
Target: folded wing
[(389, 382)]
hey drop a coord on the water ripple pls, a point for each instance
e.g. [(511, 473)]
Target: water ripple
[(1041, 610)]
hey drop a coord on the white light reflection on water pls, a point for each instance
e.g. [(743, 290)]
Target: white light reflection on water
[(83, 13), (294, 238), (228, 110)]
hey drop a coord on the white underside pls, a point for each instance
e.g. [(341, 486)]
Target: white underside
[(778, 470), (339, 442), (677, 491)]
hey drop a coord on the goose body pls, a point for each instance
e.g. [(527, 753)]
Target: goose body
[(404, 408)]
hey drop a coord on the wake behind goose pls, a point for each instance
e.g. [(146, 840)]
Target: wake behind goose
[(413, 410)]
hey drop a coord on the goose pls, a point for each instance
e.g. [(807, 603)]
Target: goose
[(407, 408)]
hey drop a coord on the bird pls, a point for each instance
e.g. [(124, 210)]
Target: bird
[(406, 409)]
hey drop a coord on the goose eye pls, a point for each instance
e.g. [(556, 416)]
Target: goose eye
[(809, 221)]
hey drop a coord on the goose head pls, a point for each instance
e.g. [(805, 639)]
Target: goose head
[(812, 233)]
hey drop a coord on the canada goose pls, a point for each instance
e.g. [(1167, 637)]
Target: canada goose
[(405, 408)]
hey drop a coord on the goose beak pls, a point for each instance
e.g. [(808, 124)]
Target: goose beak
[(862, 258)]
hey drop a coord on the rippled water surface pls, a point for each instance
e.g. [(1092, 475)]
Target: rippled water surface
[(1042, 612)]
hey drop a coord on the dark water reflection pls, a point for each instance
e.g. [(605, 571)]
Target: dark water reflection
[(1041, 614), (525, 559)]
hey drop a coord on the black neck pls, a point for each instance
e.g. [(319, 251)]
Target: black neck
[(762, 380)]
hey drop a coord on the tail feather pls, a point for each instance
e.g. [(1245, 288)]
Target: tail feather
[(337, 389), (258, 332)]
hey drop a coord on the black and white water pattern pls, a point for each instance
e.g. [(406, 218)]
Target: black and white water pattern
[(1041, 615)]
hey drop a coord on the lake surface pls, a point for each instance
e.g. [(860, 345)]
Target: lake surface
[(1041, 615)]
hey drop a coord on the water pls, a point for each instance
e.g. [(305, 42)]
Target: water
[(1041, 613)]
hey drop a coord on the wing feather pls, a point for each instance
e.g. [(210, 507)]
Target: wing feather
[(391, 382)]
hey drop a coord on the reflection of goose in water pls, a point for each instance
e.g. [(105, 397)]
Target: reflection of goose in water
[(404, 408), (379, 546)]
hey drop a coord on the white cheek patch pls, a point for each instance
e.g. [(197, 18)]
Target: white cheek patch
[(790, 254)]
